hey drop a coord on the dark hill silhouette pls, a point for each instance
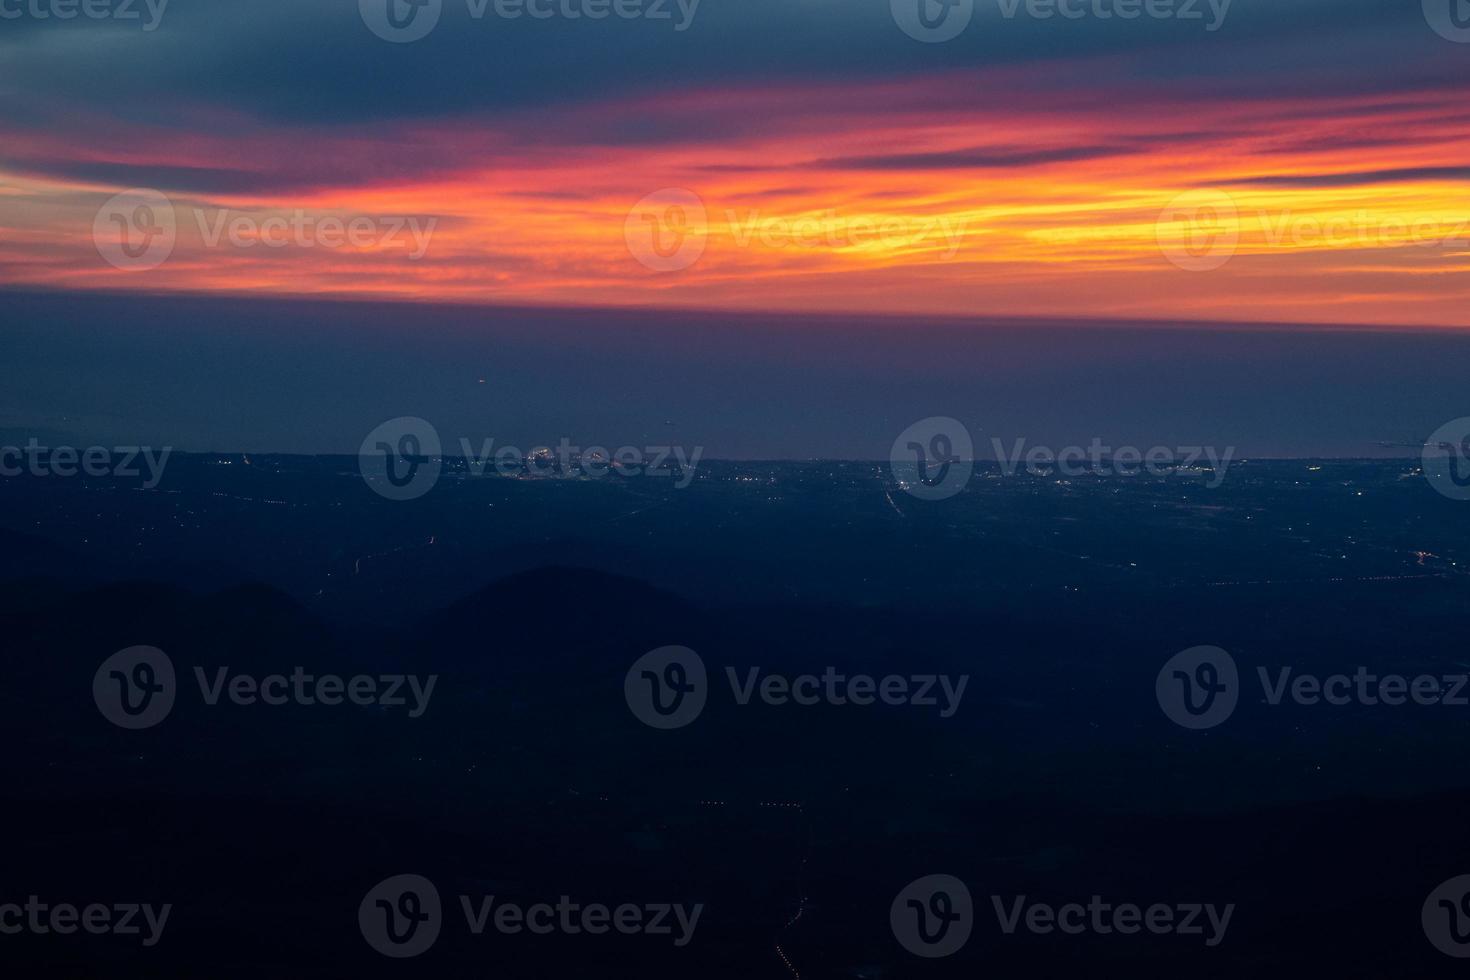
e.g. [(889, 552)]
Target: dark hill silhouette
[(574, 598), (31, 556)]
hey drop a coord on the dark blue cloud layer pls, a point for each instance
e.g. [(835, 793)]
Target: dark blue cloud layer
[(287, 60)]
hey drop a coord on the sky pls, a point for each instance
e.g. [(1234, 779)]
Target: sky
[(1273, 161)]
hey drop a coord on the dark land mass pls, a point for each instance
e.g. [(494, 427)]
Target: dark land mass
[(528, 777)]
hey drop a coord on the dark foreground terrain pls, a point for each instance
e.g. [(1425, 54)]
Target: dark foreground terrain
[(528, 776)]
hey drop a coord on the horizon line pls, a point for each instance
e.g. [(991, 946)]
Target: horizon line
[(1035, 320)]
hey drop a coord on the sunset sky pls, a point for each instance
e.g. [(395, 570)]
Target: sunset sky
[(828, 161)]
